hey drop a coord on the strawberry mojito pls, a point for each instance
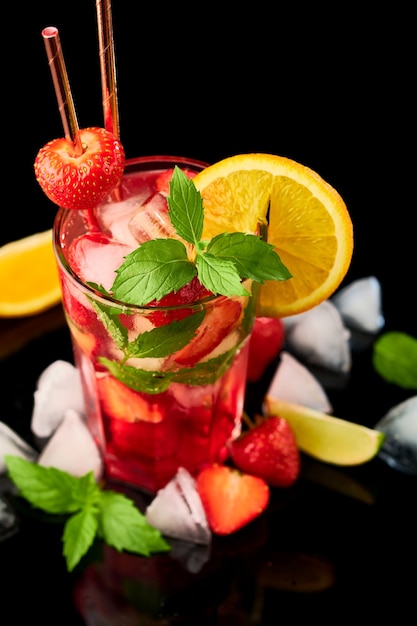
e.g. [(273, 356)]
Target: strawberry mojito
[(163, 375)]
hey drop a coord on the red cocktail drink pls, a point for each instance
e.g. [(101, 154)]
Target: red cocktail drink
[(163, 383)]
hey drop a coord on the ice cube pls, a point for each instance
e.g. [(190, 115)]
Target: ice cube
[(151, 220), (96, 257), (177, 510), (293, 382), (72, 448), (8, 519), (360, 305), (114, 218), (399, 449), (191, 556), (11, 443), (320, 337), (58, 389)]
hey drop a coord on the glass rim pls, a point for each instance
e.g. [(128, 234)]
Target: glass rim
[(108, 300)]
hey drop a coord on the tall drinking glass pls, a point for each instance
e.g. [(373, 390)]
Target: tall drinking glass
[(164, 384)]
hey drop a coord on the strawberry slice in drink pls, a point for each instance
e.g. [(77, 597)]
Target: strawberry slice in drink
[(163, 180), (122, 403), (190, 293), (217, 324)]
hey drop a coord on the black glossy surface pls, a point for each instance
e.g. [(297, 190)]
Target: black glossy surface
[(331, 91)]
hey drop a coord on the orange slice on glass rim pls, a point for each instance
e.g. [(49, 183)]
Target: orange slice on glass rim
[(306, 220), (28, 276)]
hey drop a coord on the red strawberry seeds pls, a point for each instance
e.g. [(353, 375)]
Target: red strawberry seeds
[(80, 181), (231, 499), (268, 450)]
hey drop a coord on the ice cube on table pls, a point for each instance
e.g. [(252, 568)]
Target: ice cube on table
[(11, 443), (320, 337), (177, 510), (293, 382), (72, 448), (8, 520), (58, 389), (399, 449), (360, 305)]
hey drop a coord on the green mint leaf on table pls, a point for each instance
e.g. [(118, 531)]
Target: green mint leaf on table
[(125, 528), (92, 511), (52, 491), (395, 359), (161, 266), (79, 533)]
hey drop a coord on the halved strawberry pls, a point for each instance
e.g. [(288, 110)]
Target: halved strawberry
[(163, 180), (266, 342), (268, 450), (121, 402), (230, 498), (80, 182), (216, 325)]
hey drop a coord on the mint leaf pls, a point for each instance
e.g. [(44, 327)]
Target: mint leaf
[(395, 359), (185, 207), (79, 532), (145, 381), (161, 266), (219, 275), (109, 317), (152, 271), (92, 511), (151, 382), (46, 488), (125, 528), (252, 257), (164, 340)]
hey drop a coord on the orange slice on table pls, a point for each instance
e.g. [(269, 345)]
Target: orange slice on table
[(307, 222), (28, 276)]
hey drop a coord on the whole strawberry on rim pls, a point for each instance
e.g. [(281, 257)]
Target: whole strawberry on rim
[(80, 181)]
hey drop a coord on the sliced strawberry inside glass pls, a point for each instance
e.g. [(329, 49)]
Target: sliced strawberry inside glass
[(218, 322), (121, 402), (163, 180), (190, 293)]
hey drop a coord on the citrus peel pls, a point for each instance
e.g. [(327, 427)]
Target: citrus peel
[(306, 220)]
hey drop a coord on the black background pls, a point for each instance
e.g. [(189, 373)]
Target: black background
[(330, 87)]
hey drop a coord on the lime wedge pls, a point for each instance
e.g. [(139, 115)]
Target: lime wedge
[(327, 438)]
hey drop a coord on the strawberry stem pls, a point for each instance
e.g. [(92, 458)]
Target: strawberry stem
[(247, 420)]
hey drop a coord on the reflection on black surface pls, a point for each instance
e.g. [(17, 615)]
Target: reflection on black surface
[(340, 537)]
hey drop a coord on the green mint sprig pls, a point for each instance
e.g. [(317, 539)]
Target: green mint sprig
[(91, 511), (159, 342), (160, 266)]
